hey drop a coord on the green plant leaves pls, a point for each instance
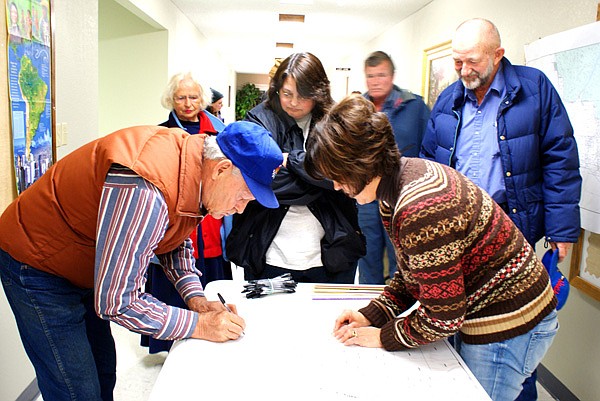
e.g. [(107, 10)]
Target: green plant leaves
[(246, 98)]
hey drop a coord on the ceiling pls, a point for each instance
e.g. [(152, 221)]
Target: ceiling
[(245, 32)]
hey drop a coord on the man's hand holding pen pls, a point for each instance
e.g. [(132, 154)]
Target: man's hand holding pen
[(216, 322)]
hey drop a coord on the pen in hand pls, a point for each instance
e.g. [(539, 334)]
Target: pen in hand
[(226, 307)]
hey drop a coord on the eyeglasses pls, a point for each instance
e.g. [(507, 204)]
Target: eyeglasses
[(289, 96), (181, 99)]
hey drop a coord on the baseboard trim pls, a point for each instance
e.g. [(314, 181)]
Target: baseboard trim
[(31, 392), (554, 386)]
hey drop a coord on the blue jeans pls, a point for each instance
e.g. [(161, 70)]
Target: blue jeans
[(70, 347), (370, 266), (529, 392), (502, 367)]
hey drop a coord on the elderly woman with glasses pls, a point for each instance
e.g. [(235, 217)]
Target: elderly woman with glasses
[(185, 97), (187, 101), (314, 234)]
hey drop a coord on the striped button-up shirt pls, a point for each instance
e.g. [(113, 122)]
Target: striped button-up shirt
[(132, 220)]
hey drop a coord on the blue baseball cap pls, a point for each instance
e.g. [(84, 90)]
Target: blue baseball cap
[(251, 148)]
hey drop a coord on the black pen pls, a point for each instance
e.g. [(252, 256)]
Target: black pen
[(226, 307)]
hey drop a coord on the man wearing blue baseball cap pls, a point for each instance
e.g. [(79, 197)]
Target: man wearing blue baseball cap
[(238, 143), (75, 246)]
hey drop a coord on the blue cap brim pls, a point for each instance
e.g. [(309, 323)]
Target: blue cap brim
[(263, 193)]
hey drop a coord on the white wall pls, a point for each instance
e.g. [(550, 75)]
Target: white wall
[(188, 49), (76, 71), (16, 370), (132, 69), (520, 22)]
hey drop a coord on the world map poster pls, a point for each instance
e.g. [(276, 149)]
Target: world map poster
[(571, 60), (29, 75)]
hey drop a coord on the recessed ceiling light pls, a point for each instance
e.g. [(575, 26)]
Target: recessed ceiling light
[(291, 18), (285, 45), (303, 2)]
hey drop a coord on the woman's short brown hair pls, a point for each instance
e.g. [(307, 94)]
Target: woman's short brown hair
[(352, 145)]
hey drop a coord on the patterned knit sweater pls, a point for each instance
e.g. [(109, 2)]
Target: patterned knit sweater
[(461, 257)]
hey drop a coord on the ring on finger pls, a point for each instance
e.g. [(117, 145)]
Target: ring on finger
[(354, 334)]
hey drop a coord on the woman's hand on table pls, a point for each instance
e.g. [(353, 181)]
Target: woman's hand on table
[(352, 328)]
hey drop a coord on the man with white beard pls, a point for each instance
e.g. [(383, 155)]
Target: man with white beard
[(505, 127)]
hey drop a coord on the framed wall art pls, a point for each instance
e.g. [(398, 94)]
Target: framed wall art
[(438, 71), (584, 273)]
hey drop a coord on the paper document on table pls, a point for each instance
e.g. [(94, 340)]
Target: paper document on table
[(359, 373), (289, 340), (442, 375)]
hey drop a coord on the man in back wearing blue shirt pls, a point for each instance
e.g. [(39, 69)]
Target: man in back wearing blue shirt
[(505, 127), (408, 115)]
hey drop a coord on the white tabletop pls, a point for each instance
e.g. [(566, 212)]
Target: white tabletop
[(289, 353)]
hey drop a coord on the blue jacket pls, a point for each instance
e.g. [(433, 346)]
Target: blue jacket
[(538, 151), (408, 115)]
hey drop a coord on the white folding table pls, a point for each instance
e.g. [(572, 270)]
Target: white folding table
[(288, 352)]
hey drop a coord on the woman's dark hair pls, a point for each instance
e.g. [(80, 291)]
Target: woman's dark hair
[(311, 82), (351, 145)]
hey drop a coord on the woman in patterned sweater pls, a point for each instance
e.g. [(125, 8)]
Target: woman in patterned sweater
[(459, 256)]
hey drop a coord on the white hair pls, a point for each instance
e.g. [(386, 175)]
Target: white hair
[(212, 151), (167, 98)]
